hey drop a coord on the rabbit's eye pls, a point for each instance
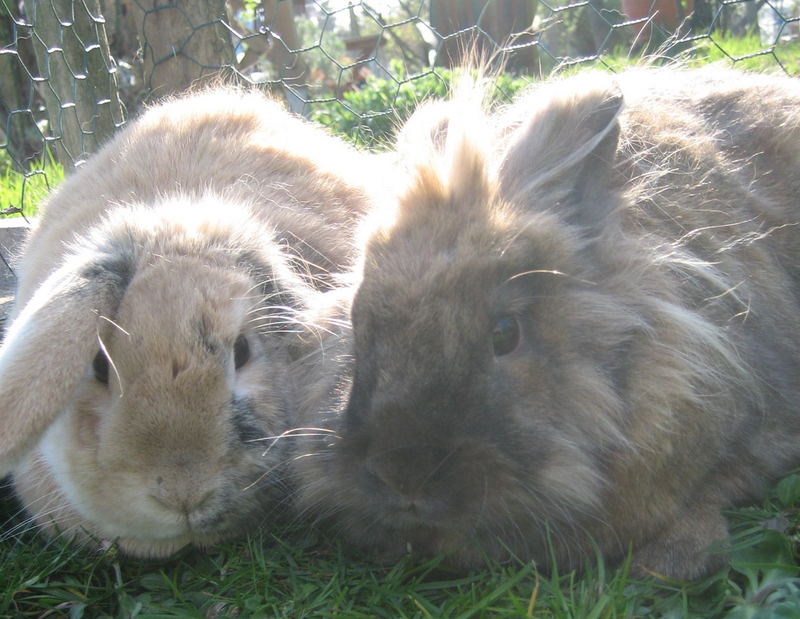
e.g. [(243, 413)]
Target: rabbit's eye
[(100, 367), (505, 335), (241, 351)]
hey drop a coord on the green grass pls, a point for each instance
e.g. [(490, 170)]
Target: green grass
[(746, 53), (298, 571), (22, 192), (749, 53)]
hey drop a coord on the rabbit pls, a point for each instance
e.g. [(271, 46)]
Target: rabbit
[(577, 329), (147, 370)]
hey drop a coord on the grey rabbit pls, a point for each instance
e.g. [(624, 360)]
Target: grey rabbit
[(579, 328)]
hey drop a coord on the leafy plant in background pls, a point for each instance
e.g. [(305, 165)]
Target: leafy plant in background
[(749, 53), (764, 553), (370, 115)]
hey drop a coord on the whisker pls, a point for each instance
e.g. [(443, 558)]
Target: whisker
[(550, 272)]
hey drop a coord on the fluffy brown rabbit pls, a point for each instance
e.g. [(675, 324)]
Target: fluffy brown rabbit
[(146, 373), (581, 327)]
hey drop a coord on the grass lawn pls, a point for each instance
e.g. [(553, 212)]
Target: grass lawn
[(749, 53), (24, 192), (746, 53), (297, 571)]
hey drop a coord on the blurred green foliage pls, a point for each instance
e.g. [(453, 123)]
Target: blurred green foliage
[(370, 115)]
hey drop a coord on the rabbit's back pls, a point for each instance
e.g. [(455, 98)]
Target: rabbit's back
[(307, 185)]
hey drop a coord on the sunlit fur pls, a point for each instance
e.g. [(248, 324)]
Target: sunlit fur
[(644, 231), (212, 216)]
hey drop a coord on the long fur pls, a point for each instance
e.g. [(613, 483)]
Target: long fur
[(182, 258), (641, 231)]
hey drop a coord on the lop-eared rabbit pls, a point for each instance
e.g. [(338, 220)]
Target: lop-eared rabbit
[(147, 370), (578, 329)]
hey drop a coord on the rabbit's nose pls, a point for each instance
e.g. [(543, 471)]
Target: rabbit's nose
[(379, 474), (411, 474), (181, 496)]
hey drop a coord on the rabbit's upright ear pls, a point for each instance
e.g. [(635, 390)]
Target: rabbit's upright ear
[(49, 346), (429, 127), (562, 152)]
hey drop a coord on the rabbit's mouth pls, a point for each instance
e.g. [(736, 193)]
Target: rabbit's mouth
[(424, 513), (197, 530), (424, 529), (135, 530), (408, 518), (145, 548), (411, 536)]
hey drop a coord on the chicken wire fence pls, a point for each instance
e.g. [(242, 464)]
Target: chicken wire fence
[(73, 71)]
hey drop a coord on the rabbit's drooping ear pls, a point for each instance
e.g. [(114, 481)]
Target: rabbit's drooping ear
[(563, 149), (49, 346)]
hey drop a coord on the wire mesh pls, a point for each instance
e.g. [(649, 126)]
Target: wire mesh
[(73, 71)]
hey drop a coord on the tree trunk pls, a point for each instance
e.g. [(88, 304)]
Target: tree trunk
[(19, 135), (78, 77), (182, 41), (604, 37), (702, 16), (505, 23)]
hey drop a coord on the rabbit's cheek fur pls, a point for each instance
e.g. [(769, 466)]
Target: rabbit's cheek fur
[(115, 497), (460, 462), (469, 463), (123, 484)]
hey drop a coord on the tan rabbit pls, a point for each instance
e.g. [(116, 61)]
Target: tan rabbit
[(146, 374), (580, 328)]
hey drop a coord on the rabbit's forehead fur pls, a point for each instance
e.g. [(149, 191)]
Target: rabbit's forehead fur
[(455, 258), (181, 309), (171, 350)]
